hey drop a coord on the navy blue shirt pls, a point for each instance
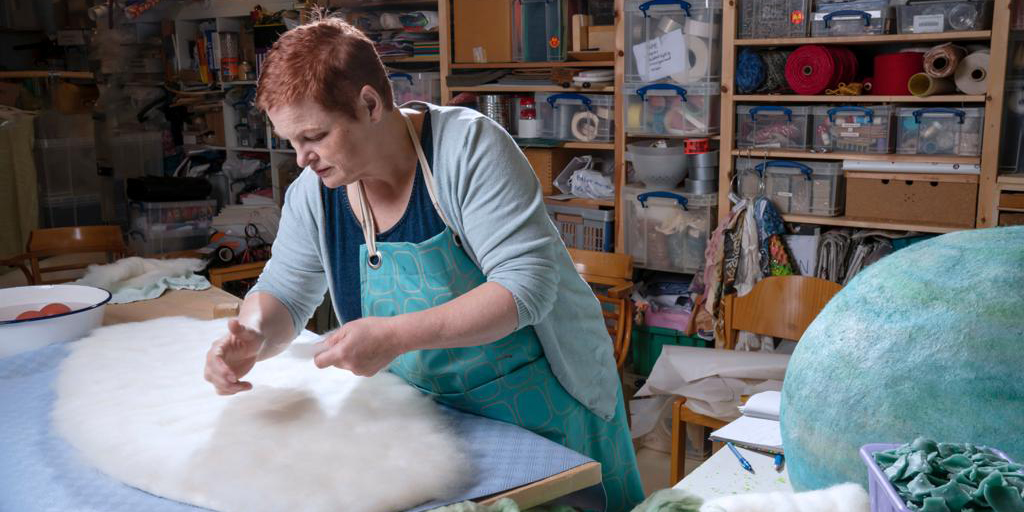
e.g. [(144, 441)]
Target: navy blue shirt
[(419, 223)]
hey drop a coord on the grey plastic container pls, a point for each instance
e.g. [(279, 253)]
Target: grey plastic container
[(584, 228), (763, 19), (940, 131), (794, 186), (854, 129), (882, 494), (852, 18), (667, 230), (951, 16), (699, 22)]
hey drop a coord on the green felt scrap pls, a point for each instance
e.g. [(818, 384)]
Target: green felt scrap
[(886, 458), (953, 495), (934, 505), (920, 487), (896, 470), (947, 449), (956, 463), (917, 463), (1004, 499)]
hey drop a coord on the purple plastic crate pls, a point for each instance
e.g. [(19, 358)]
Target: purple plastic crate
[(884, 497)]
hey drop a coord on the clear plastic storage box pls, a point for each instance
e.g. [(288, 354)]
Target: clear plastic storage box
[(577, 117), (67, 167), (677, 42), (170, 218), (584, 228), (667, 229), (138, 154), (852, 18), (162, 243), (948, 16), (940, 131), (539, 32), (408, 87), (670, 109), (771, 126), (853, 129), (67, 211), (763, 19), (794, 186)]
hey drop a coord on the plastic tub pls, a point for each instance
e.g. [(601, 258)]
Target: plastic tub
[(576, 117), (670, 109), (17, 336), (656, 167), (852, 18), (853, 129), (951, 16), (138, 154), (425, 86), (940, 131), (584, 228), (539, 30), (667, 230), (794, 186), (882, 494), (648, 341), (67, 166), (68, 211), (683, 33), (771, 126), (762, 19)]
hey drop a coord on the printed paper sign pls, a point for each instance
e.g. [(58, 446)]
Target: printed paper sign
[(925, 23), (663, 56)]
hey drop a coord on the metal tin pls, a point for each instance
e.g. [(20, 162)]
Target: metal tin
[(709, 159), (700, 186), (704, 173)]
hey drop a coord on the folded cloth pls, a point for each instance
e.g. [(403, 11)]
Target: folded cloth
[(134, 279)]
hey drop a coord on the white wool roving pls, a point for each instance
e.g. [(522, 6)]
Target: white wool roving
[(840, 498), (132, 399), (136, 272)]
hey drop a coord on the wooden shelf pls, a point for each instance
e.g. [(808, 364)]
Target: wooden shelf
[(976, 35), (250, 150), (1010, 179), (523, 65), (610, 146), (871, 224), (793, 153), (1011, 210), (238, 82), (292, 151), (410, 60), (530, 88), (867, 98), (580, 201)]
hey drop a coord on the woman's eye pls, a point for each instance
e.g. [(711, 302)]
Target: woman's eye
[(314, 138)]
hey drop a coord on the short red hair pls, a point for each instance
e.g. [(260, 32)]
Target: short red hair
[(328, 61)]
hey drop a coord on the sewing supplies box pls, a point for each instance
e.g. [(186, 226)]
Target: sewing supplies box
[(772, 126), (942, 199), (672, 42), (940, 130), (794, 186), (170, 226), (852, 18), (950, 16), (667, 229), (669, 109), (853, 129), (762, 19), (576, 117), (416, 86)]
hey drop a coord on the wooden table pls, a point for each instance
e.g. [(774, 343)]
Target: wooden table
[(200, 304)]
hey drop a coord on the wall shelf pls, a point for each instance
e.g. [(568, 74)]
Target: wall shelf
[(583, 202), (871, 224), (525, 65), (530, 88), (610, 146), (411, 60), (867, 98), (940, 37), (784, 153)]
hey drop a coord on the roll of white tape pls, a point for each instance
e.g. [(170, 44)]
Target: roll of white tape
[(528, 128), (971, 75), (584, 126), (699, 28), (699, 60)]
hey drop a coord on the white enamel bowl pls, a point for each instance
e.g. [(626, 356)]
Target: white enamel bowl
[(16, 336)]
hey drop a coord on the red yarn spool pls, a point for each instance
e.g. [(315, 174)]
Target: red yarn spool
[(811, 69), (893, 71)]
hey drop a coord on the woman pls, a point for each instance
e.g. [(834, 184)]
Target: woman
[(431, 234)]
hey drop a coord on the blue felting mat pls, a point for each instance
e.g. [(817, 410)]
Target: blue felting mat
[(41, 472)]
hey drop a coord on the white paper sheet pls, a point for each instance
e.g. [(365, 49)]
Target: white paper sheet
[(662, 56), (763, 405), (754, 433)]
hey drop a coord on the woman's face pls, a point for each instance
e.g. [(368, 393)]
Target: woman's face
[(339, 149)]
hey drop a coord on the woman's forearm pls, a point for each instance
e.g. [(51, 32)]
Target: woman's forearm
[(482, 315), (265, 314)]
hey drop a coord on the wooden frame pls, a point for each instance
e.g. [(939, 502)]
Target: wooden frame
[(219, 276)]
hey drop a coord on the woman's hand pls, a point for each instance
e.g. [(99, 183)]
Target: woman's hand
[(363, 347), (231, 357)]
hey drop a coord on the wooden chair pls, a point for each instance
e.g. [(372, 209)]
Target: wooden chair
[(219, 276), (782, 307), (74, 244), (614, 271)]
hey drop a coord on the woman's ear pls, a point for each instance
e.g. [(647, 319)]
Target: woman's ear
[(371, 101)]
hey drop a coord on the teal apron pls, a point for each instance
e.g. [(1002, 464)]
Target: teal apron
[(507, 380)]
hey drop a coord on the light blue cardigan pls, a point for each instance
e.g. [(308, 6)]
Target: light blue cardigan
[(490, 194)]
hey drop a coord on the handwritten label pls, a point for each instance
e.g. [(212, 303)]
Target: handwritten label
[(661, 57)]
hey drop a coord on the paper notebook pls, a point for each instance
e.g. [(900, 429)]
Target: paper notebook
[(752, 433)]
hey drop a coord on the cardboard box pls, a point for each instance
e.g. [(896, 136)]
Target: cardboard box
[(214, 127), (483, 24), (547, 163), (1011, 219), (1011, 200), (948, 200)]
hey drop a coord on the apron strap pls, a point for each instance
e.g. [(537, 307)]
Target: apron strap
[(369, 224)]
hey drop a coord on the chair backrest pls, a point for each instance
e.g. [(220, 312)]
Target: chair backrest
[(613, 272), (779, 306), (82, 240)]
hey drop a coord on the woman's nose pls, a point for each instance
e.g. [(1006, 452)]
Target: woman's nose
[(305, 157)]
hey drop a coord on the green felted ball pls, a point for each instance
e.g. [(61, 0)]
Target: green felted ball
[(928, 341)]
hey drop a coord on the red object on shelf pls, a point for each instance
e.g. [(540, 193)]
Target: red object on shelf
[(813, 68), (893, 71), (696, 146)]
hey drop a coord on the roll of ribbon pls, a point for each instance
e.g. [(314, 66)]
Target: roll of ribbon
[(972, 74), (699, 59), (692, 27), (811, 69), (893, 72), (942, 60), (921, 85), (584, 126)]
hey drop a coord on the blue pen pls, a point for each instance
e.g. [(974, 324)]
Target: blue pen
[(778, 461), (743, 462)]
